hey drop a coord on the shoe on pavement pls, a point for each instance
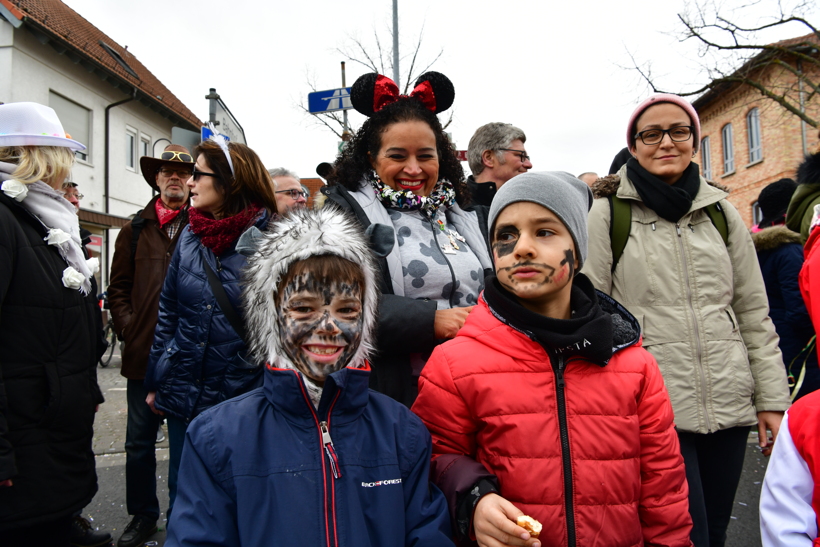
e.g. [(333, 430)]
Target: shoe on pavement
[(84, 535), (137, 532), (160, 434)]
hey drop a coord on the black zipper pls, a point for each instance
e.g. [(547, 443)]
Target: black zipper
[(452, 273), (560, 387)]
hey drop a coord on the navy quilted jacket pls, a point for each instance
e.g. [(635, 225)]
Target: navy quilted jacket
[(197, 359)]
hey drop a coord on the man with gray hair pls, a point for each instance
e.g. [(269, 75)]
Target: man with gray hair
[(288, 190), (496, 154)]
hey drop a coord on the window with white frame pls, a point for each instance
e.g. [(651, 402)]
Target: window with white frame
[(76, 121), (130, 148), (753, 130), (705, 158), (145, 145), (728, 150), (757, 213)]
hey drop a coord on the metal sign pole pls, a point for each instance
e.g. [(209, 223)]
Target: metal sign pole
[(396, 43), (345, 130)]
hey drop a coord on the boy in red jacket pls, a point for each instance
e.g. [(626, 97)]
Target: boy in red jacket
[(545, 404)]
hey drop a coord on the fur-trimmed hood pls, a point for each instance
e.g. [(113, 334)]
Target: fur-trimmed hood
[(809, 170), (299, 235), (608, 186), (771, 238)]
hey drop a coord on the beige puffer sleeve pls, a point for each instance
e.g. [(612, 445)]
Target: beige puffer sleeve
[(599, 256), (751, 308)]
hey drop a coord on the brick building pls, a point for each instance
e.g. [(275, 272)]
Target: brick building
[(749, 140)]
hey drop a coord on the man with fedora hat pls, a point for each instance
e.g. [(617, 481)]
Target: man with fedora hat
[(142, 253)]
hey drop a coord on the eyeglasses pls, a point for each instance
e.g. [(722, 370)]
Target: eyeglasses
[(183, 156), (198, 174), (181, 173), (522, 155), (680, 133), (294, 194), (78, 195)]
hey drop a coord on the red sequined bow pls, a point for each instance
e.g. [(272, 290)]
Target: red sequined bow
[(386, 92)]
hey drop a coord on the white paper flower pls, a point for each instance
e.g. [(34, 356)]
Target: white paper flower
[(57, 237), (15, 189), (93, 264), (72, 279)]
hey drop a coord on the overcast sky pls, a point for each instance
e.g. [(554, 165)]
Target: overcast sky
[(554, 69)]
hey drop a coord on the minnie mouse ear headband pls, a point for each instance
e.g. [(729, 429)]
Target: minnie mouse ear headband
[(174, 155), (33, 124), (372, 92), (663, 98)]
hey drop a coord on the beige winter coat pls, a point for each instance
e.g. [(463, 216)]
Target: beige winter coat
[(701, 304)]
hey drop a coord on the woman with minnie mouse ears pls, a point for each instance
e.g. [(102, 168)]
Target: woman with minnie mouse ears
[(400, 171)]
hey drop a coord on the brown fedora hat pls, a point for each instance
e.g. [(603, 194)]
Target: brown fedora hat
[(174, 154)]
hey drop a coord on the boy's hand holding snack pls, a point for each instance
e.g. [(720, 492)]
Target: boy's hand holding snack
[(494, 522)]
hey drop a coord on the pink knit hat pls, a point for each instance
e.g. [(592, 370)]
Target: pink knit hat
[(663, 98)]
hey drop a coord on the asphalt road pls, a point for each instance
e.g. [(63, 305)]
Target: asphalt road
[(108, 510)]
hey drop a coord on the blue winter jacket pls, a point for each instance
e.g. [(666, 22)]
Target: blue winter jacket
[(197, 359), (258, 470), (780, 253)]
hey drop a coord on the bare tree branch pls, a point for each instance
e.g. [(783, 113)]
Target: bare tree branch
[(732, 55)]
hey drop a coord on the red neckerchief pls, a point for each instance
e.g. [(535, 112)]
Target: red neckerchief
[(165, 214), (218, 235)]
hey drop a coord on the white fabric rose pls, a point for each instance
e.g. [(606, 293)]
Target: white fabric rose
[(57, 237), (93, 264), (72, 279), (15, 189)]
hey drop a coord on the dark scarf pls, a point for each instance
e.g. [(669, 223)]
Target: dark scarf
[(587, 334), (670, 201), (218, 235)]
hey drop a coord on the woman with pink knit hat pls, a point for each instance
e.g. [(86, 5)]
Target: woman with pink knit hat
[(670, 247)]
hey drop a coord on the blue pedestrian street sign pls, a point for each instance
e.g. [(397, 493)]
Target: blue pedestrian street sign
[(206, 133), (329, 101)]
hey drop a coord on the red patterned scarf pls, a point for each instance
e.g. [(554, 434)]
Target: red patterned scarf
[(218, 235), (165, 214)]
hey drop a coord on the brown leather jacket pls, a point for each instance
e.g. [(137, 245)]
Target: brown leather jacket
[(133, 295)]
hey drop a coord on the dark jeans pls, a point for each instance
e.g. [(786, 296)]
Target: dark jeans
[(714, 462), (140, 456), (176, 440), (52, 534)]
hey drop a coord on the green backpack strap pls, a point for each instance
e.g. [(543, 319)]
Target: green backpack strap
[(718, 217), (620, 222)]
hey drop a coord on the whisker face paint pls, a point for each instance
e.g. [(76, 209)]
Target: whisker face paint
[(320, 324), (534, 257)]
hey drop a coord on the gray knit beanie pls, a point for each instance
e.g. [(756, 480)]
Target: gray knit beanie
[(558, 191)]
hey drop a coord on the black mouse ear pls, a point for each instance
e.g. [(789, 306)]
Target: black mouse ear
[(443, 89), (361, 94)]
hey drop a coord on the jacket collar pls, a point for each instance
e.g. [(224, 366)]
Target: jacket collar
[(345, 395), (599, 328)]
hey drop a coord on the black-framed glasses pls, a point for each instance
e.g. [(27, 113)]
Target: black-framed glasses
[(170, 155), (181, 173), (197, 174), (681, 133), (522, 154), (294, 194)]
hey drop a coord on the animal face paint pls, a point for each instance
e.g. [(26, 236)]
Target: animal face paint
[(534, 258), (320, 325)]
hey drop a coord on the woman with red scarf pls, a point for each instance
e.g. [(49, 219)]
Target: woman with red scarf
[(198, 358)]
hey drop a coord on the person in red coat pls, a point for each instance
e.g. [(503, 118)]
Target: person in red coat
[(545, 403)]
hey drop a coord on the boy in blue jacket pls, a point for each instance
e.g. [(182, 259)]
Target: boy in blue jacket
[(313, 457)]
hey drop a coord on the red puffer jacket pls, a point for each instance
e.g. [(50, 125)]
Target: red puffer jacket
[(492, 395)]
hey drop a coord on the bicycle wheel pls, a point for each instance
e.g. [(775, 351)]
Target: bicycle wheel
[(111, 338)]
